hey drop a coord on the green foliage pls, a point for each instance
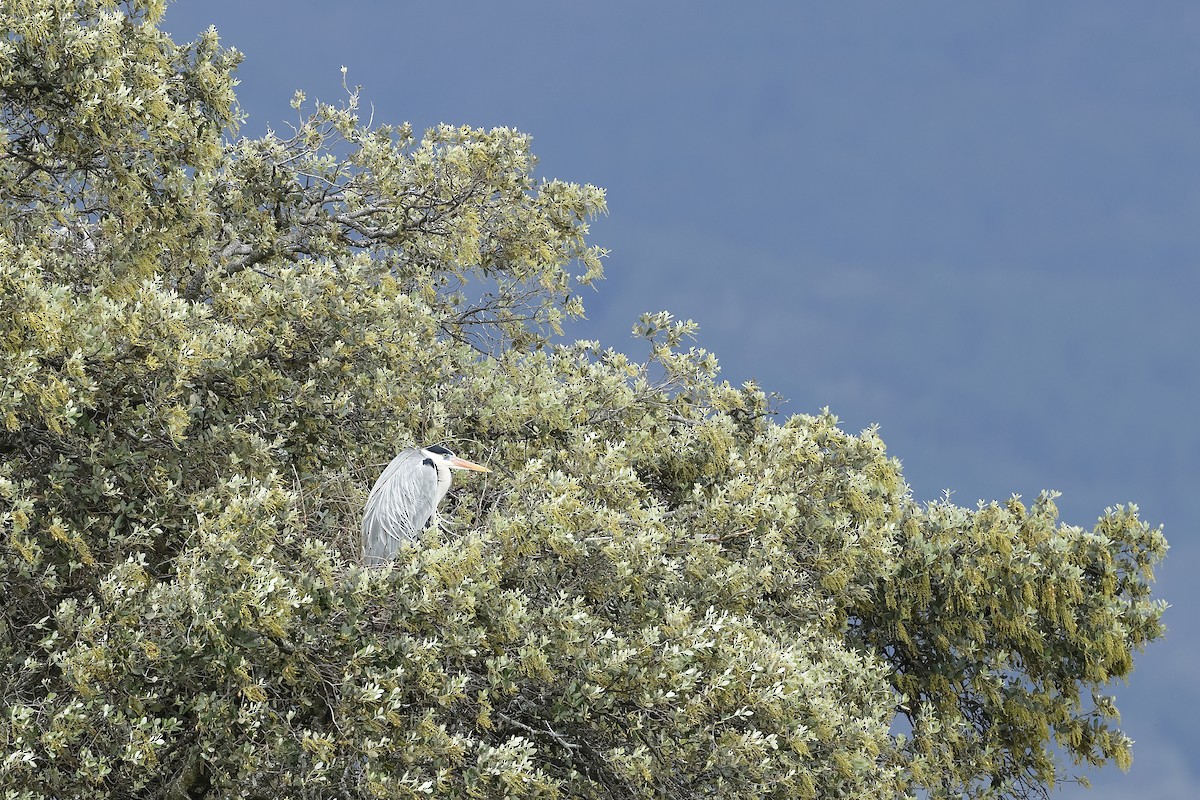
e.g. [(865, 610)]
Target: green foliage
[(208, 349)]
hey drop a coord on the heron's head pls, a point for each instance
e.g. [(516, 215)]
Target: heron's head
[(442, 455)]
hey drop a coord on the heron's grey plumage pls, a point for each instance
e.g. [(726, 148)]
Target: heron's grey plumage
[(404, 500)]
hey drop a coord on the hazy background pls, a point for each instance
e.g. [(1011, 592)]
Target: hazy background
[(975, 225)]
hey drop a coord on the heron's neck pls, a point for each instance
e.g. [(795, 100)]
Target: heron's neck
[(443, 482)]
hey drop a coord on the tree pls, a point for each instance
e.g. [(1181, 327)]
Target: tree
[(210, 346)]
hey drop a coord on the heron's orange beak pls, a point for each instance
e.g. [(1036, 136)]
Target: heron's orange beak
[(462, 463)]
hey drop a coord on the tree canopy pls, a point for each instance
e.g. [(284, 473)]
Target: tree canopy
[(209, 347)]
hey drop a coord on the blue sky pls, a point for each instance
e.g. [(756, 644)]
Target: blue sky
[(974, 225)]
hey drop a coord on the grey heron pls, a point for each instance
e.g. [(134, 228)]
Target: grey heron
[(405, 498)]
